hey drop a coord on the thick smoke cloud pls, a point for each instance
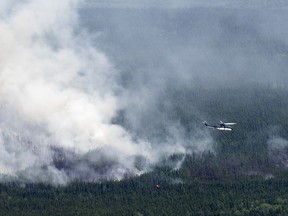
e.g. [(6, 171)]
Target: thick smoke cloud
[(61, 103)]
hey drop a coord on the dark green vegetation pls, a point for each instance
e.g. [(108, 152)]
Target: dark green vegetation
[(140, 197), (245, 173)]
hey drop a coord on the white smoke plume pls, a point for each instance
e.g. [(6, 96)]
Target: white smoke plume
[(58, 97), (278, 148), (56, 85), (277, 143)]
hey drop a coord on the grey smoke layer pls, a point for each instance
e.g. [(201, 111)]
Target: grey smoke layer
[(177, 4), (163, 54)]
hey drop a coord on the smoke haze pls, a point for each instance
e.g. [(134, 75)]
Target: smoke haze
[(88, 91)]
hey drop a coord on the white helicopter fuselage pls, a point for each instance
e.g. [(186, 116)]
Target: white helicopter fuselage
[(224, 129)]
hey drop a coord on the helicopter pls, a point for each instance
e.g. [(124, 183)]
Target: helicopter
[(222, 126)]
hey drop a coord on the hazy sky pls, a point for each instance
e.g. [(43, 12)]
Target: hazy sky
[(189, 3)]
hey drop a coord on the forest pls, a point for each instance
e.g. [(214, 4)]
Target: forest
[(245, 173)]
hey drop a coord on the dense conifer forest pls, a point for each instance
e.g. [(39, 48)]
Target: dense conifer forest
[(140, 197), (245, 173)]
